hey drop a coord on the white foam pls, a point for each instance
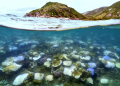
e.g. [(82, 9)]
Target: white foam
[(33, 23)]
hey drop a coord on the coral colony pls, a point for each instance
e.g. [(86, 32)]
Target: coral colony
[(61, 58)]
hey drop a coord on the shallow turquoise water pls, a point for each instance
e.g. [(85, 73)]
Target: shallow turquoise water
[(95, 40)]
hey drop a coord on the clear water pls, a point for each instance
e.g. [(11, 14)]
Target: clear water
[(77, 45)]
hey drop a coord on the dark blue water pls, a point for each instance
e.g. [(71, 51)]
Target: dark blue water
[(49, 46)]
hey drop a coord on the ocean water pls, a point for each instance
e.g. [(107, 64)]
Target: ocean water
[(79, 57), (32, 23)]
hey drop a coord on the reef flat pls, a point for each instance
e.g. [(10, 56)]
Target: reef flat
[(79, 57)]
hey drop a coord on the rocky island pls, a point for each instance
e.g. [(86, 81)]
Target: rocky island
[(56, 10)]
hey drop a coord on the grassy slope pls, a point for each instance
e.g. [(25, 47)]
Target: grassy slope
[(112, 12), (93, 12), (55, 9)]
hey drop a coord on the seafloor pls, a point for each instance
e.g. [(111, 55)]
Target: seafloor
[(80, 57)]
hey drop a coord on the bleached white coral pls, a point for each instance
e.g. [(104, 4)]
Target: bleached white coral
[(81, 64), (75, 56), (47, 63), (92, 65), (13, 67), (85, 52), (68, 70), (90, 80), (107, 52), (20, 79), (8, 61), (49, 78), (104, 81), (85, 58), (110, 64), (67, 63), (38, 76), (117, 65), (116, 55), (36, 58)]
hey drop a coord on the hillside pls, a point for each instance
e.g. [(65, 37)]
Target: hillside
[(112, 12), (93, 12), (55, 9)]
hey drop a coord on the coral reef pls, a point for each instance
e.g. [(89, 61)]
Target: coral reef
[(56, 63)]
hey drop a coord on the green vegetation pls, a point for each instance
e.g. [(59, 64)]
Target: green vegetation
[(104, 13), (112, 12), (93, 12), (55, 9)]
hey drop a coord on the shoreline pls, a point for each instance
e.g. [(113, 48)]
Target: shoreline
[(55, 17)]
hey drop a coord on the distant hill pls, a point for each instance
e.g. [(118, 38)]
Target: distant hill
[(112, 12), (55, 9), (93, 12)]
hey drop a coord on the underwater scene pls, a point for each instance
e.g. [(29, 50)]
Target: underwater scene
[(78, 57)]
